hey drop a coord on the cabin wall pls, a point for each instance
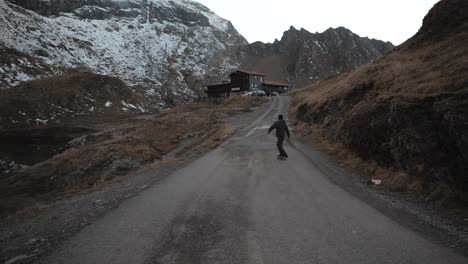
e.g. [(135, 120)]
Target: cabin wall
[(255, 82)]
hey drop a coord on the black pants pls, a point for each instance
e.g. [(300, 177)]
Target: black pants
[(279, 144)]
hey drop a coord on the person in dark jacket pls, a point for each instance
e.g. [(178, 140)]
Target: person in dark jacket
[(281, 130)]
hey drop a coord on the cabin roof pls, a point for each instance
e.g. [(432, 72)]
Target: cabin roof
[(242, 72)]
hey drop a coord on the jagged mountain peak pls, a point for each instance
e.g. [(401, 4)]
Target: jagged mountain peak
[(341, 31), (331, 35), (302, 57), (294, 31)]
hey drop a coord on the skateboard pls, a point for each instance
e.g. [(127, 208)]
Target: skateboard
[(282, 157)]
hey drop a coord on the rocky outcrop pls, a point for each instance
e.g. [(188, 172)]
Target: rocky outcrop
[(302, 58), (446, 18), (408, 111)]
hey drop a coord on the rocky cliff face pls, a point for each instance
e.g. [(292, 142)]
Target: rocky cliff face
[(302, 57), (162, 46)]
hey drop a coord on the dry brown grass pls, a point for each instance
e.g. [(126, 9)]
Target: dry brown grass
[(434, 69), (66, 97), (394, 179), (403, 118), (98, 158)]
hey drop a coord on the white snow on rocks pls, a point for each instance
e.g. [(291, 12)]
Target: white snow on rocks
[(128, 105), (41, 121), (154, 53)]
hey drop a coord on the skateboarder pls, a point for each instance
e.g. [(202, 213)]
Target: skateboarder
[(281, 130)]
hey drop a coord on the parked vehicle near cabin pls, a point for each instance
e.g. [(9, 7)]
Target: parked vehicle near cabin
[(260, 93)]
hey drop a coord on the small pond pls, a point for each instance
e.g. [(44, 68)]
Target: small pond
[(31, 146)]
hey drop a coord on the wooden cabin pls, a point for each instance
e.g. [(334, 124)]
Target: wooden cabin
[(243, 82), (246, 81)]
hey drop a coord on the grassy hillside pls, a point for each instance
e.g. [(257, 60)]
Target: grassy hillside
[(58, 99), (407, 112)]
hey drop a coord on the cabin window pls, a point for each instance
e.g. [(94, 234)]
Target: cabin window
[(261, 78)]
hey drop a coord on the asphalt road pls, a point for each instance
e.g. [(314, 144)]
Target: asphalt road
[(240, 204)]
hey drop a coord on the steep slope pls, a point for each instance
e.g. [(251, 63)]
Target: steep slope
[(58, 99), (303, 58), (408, 110), (162, 45)]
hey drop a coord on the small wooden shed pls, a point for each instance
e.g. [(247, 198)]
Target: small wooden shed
[(274, 86)]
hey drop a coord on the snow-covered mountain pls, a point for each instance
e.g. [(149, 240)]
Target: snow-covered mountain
[(162, 46), (162, 49)]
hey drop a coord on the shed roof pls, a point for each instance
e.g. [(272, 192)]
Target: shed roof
[(275, 83), (217, 84)]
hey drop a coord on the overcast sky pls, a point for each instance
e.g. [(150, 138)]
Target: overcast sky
[(265, 20)]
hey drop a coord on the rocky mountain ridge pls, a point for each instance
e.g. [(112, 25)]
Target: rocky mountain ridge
[(301, 57)]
